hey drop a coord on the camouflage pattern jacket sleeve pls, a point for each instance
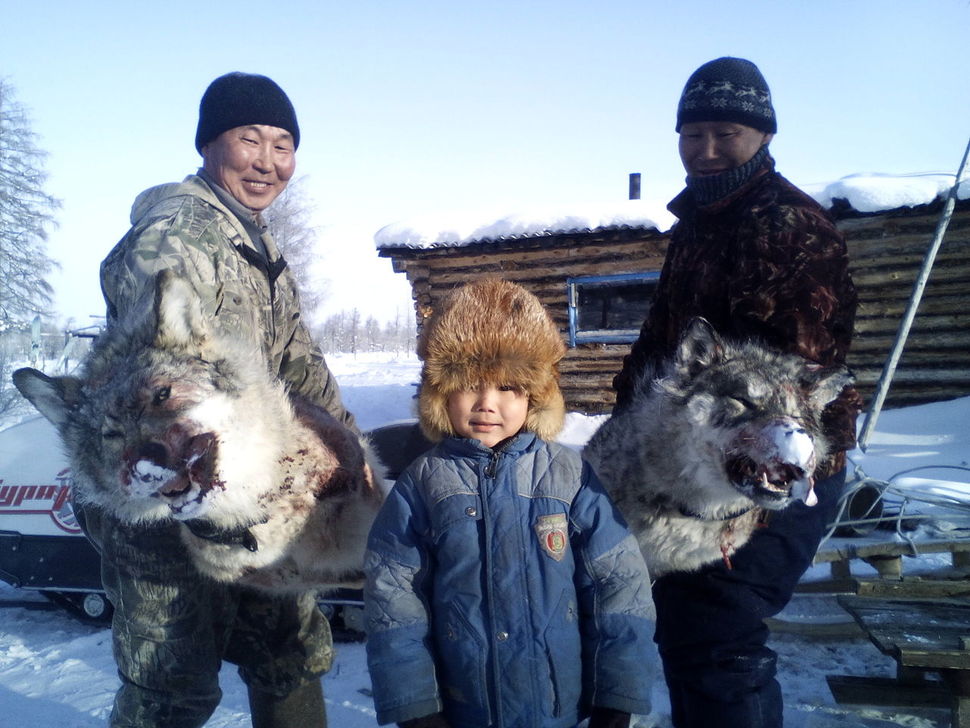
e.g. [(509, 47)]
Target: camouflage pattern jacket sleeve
[(186, 228), (767, 264)]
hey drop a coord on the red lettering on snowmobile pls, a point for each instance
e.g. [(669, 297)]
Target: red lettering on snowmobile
[(54, 500)]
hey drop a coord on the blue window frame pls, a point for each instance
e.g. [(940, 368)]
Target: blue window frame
[(608, 309)]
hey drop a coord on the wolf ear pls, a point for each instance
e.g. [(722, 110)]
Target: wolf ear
[(178, 312), (52, 396), (824, 384), (700, 346)]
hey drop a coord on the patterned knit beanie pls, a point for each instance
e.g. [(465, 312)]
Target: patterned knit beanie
[(240, 99), (727, 89), (496, 332)]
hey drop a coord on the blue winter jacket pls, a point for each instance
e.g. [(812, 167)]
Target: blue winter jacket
[(504, 588)]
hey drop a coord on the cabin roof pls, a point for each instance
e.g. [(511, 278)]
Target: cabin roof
[(852, 196)]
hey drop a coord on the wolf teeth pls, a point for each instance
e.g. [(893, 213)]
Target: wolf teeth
[(768, 485)]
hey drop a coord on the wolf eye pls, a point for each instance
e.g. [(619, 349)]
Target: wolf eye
[(110, 432), (161, 394), (112, 428)]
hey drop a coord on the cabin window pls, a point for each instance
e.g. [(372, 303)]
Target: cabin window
[(608, 309)]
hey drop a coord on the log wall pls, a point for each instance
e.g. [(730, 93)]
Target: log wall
[(886, 251)]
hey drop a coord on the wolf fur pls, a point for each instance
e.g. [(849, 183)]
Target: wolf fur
[(170, 420), (721, 434)]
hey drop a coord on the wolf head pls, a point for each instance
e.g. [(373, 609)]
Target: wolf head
[(162, 415), (752, 414)]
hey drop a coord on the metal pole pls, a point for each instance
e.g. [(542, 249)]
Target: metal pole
[(634, 185), (890, 367)]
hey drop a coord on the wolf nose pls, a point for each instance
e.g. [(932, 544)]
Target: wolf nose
[(794, 444), (154, 452)]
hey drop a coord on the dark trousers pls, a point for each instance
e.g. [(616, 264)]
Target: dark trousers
[(172, 628), (710, 628)]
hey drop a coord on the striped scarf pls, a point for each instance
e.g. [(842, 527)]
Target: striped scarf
[(708, 189)]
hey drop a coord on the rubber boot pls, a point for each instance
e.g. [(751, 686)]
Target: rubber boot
[(302, 708)]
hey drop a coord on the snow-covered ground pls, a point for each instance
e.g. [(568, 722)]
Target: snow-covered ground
[(55, 671)]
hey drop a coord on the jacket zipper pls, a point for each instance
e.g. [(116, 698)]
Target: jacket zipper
[(492, 465), (489, 471)]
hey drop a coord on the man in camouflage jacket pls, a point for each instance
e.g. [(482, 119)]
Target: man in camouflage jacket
[(760, 260), (172, 628)]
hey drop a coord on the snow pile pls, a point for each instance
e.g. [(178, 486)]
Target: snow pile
[(879, 192), (864, 192), (457, 229)]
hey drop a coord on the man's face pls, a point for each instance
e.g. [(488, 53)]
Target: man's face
[(711, 147), (488, 414), (254, 163)]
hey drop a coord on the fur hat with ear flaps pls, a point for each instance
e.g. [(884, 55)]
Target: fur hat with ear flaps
[(491, 331)]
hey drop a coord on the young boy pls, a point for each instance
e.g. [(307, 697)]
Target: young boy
[(503, 587)]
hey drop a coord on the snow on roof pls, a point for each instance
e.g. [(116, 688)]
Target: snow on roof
[(464, 229), (880, 192), (864, 193)]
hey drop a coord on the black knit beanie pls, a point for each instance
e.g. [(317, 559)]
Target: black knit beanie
[(239, 99), (727, 89)]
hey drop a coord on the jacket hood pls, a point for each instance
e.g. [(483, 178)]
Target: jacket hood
[(191, 185), (167, 199), (496, 332)]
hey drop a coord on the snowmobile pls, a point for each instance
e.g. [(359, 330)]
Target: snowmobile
[(41, 544)]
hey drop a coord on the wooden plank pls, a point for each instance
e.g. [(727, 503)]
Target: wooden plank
[(930, 659), (914, 630), (852, 690), (842, 549), (922, 339), (926, 376), (913, 587), (578, 251), (904, 275), (883, 232), (814, 630), (833, 585), (883, 303), (924, 323)]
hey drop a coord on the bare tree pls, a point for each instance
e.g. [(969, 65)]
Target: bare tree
[(373, 337), (26, 213), (353, 325), (342, 332), (289, 222)]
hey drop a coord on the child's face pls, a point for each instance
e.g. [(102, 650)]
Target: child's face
[(488, 414)]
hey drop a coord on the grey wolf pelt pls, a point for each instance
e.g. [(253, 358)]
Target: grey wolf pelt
[(721, 434), (174, 421)]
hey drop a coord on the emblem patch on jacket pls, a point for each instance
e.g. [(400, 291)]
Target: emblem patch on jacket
[(551, 531)]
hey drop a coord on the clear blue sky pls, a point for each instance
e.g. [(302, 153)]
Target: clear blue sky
[(415, 107)]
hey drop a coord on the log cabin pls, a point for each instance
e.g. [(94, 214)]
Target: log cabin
[(595, 274)]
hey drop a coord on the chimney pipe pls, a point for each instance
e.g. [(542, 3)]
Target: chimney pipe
[(634, 185)]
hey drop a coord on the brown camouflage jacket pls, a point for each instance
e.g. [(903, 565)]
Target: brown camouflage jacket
[(766, 263), (185, 227)]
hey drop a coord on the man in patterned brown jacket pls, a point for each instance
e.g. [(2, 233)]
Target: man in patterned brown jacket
[(172, 628), (760, 260)]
